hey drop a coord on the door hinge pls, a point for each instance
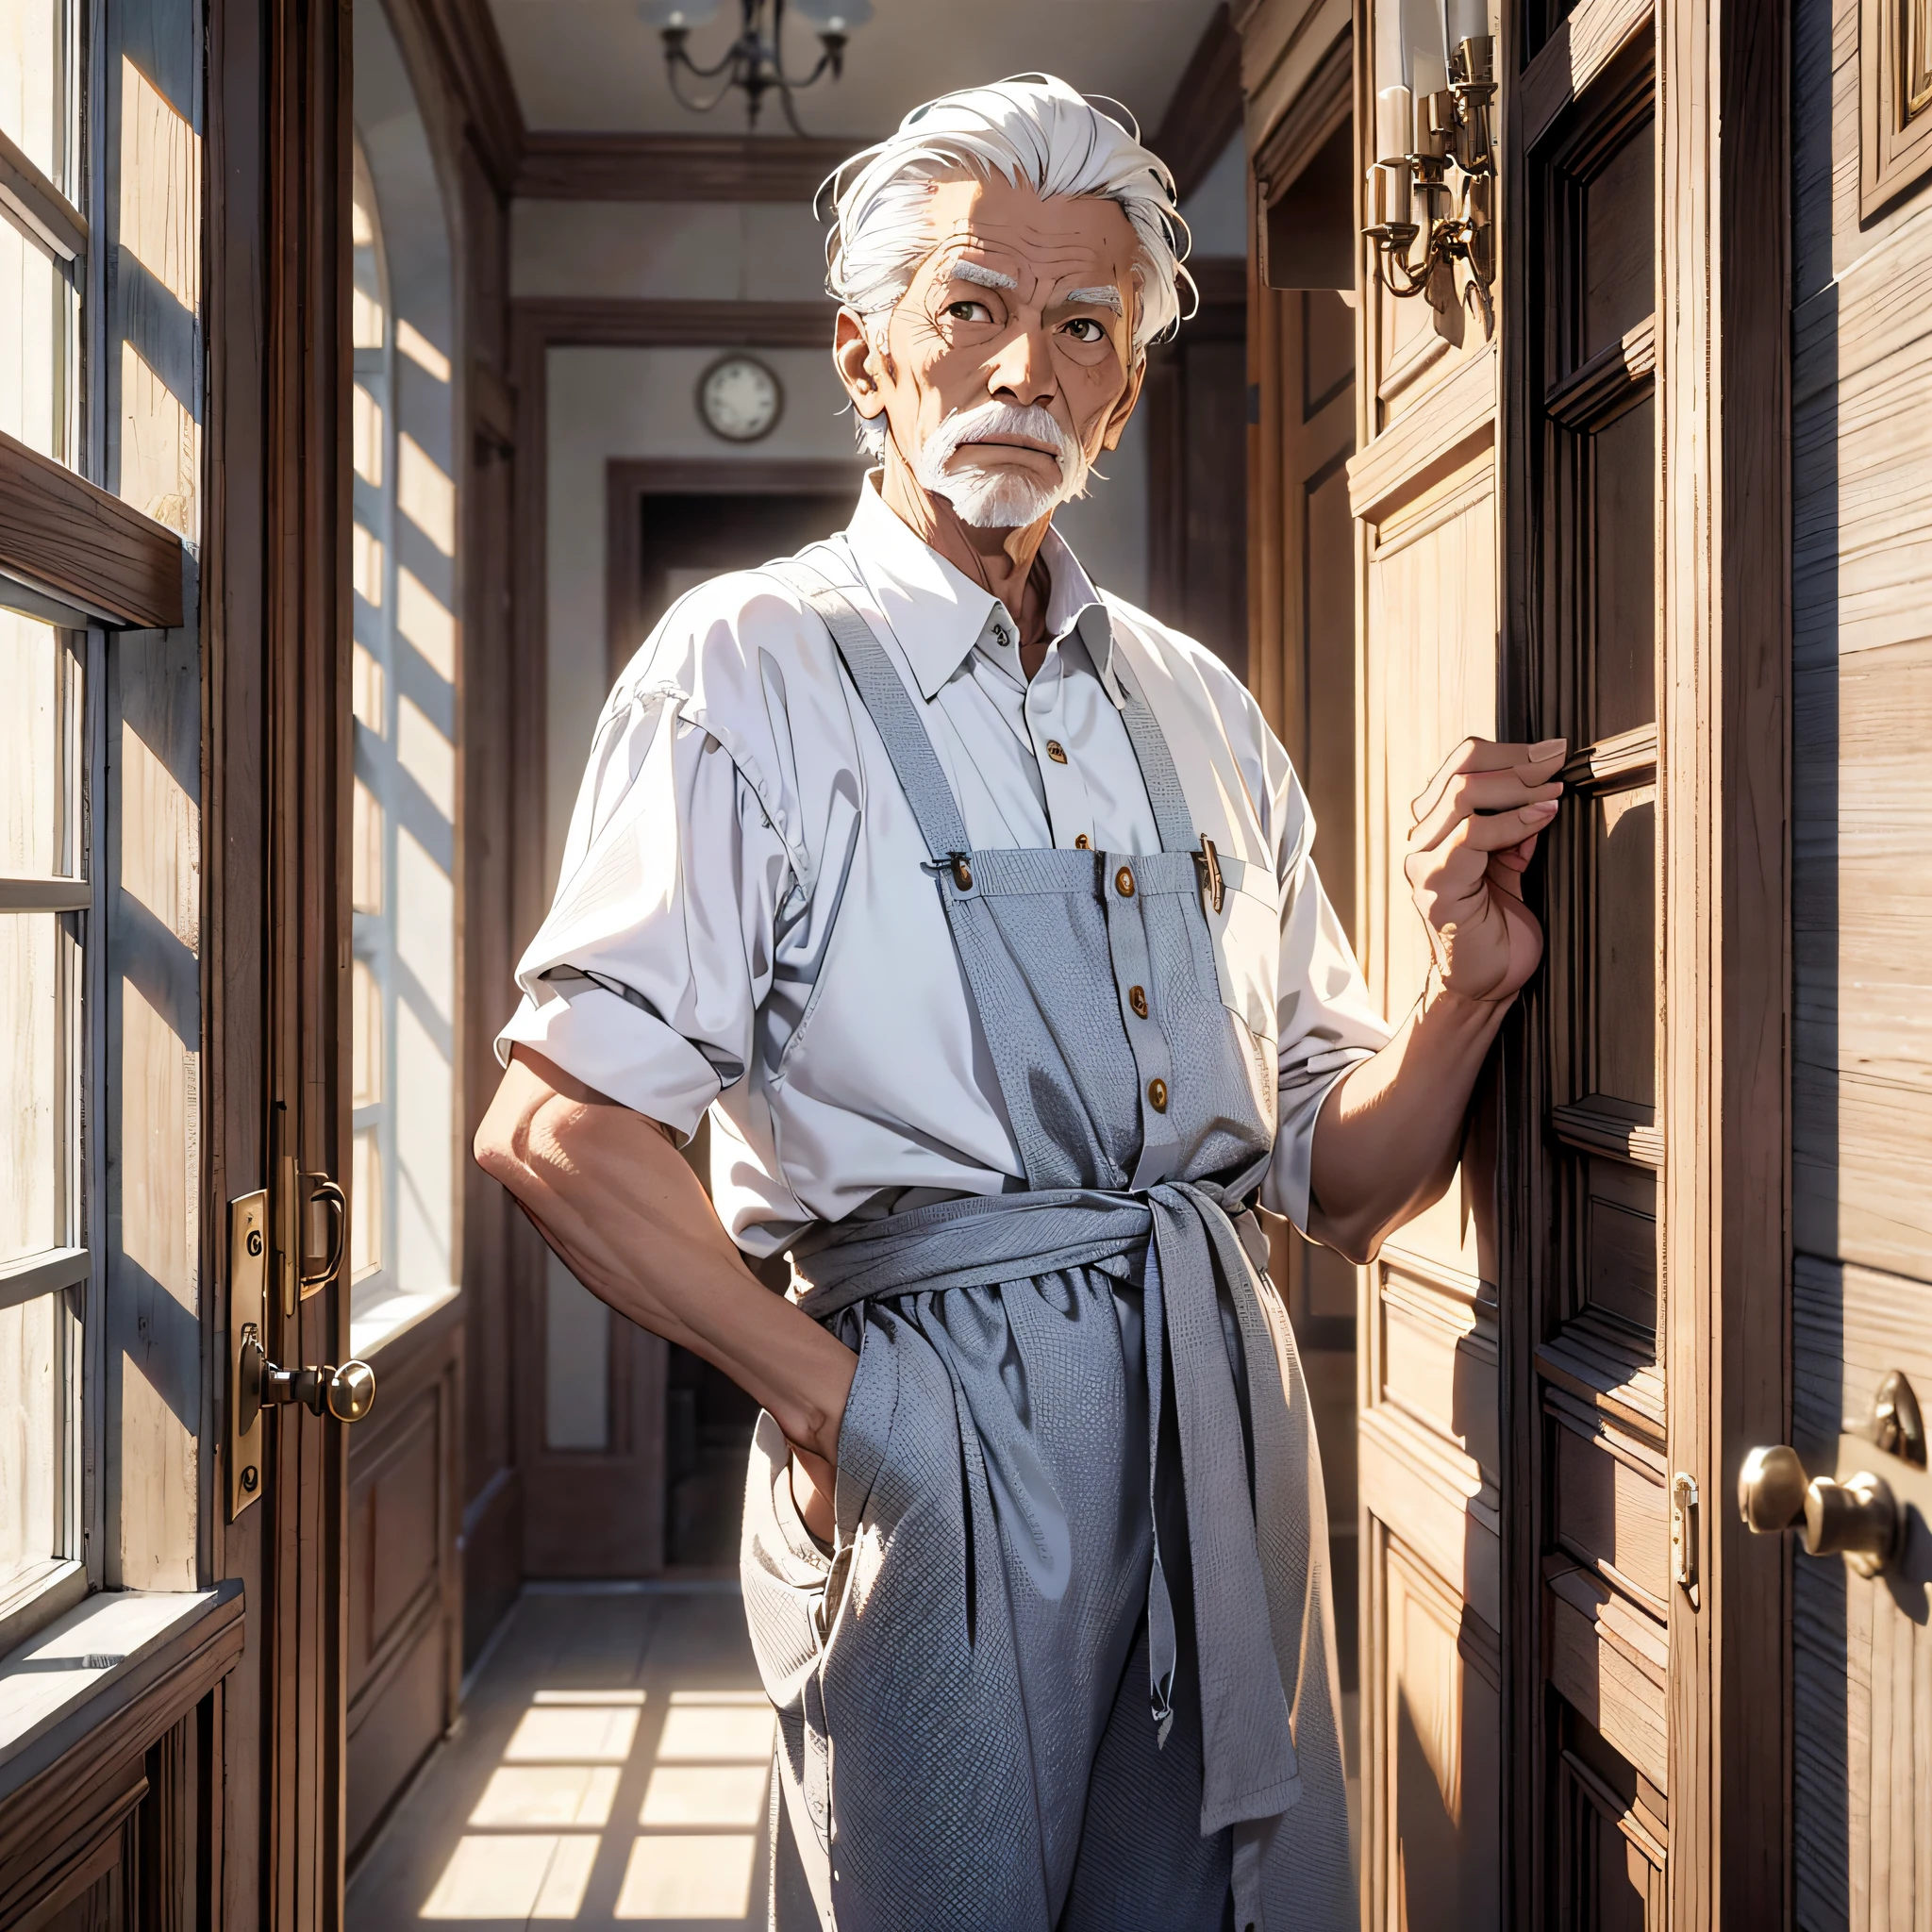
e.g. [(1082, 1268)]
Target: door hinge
[(1683, 1528)]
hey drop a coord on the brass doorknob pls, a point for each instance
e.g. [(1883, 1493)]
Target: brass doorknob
[(348, 1392), (1859, 1518)]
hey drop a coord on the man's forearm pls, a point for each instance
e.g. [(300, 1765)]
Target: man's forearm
[(1389, 1132), (614, 1198)]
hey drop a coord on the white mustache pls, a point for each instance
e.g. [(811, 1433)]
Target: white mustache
[(989, 419), (1000, 498)]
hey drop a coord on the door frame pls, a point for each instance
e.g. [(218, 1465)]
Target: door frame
[(1725, 542), (276, 666), (627, 478)]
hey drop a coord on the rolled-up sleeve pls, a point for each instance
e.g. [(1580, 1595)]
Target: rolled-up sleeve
[(646, 979), (1327, 1021)]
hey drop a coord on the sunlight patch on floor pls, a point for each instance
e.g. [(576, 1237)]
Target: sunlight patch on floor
[(689, 1877), (547, 1795), (530, 1876), (534, 1834)]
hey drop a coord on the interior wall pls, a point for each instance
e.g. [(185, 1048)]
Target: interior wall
[(611, 403)]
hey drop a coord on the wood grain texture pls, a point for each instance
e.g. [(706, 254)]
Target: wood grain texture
[(405, 1578), (1723, 382), (1584, 42), (67, 536), (1457, 419)]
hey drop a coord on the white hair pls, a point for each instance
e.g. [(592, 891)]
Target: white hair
[(1031, 129)]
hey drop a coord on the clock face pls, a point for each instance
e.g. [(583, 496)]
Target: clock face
[(739, 399)]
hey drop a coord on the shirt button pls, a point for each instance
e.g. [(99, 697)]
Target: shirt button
[(1156, 1095), (1056, 751), (1137, 998), (1124, 882), (1083, 844)]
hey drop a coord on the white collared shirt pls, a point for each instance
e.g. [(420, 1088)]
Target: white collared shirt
[(741, 923)]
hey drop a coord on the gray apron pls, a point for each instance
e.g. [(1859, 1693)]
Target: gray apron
[(1071, 1662)]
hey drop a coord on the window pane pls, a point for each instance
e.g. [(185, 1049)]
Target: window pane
[(366, 417), (33, 343), (30, 782), (365, 851), (32, 1437), (365, 1051), (33, 83), (31, 1071), (365, 689), (365, 1205)]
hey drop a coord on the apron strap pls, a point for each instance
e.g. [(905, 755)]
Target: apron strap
[(1170, 815), (883, 693)]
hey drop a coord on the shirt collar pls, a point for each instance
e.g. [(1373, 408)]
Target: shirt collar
[(939, 614)]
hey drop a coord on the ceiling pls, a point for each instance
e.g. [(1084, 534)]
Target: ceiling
[(595, 66)]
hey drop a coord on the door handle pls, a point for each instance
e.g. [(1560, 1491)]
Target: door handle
[(1860, 1513), (320, 1188)]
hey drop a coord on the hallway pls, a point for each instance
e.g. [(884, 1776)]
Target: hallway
[(612, 1765)]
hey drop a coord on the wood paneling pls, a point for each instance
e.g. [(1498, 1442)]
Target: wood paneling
[(1432, 1703), (67, 536), (405, 1581)]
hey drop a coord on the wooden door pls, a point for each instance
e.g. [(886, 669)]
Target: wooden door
[(1570, 504), (1591, 1361)]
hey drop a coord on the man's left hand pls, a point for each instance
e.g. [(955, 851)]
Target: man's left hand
[(1474, 835)]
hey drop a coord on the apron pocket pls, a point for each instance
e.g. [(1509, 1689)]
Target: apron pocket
[(1245, 939)]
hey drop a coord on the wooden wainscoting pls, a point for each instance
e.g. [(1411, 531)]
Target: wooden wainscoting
[(405, 1610)]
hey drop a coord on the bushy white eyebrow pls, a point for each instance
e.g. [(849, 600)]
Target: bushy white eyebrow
[(983, 277), (1096, 298)]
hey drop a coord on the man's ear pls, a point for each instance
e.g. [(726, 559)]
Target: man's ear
[(856, 362), (1117, 422)]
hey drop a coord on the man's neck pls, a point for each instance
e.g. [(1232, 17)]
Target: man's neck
[(1004, 563)]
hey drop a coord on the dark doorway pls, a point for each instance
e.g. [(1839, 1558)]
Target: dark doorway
[(673, 525)]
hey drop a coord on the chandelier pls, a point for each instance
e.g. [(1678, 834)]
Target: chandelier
[(753, 63)]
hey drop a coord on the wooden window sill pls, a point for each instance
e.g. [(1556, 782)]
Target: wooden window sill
[(122, 1662), (394, 1315)]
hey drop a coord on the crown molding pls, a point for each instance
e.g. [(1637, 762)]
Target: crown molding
[(675, 167), (543, 322)]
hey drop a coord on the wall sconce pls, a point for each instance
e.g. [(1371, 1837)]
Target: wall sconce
[(1432, 119)]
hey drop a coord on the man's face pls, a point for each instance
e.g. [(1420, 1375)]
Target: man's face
[(1025, 303)]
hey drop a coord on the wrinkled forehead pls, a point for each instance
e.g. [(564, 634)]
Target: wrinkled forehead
[(1043, 242)]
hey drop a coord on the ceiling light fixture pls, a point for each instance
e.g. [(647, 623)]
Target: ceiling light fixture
[(753, 63)]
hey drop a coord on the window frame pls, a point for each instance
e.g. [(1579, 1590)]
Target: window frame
[(75, 556)]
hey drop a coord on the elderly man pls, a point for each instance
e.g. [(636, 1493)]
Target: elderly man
[(976, 906)]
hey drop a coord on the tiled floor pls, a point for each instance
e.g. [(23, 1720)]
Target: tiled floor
[(611, 1768)]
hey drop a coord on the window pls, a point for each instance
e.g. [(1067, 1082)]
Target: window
[(44, 1252), (100, 403), (44, 896), (403, 812)]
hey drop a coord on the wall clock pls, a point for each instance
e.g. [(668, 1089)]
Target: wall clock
[(739, 399)]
